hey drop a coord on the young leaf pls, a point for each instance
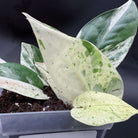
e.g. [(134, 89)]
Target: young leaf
[(96, 109), (29, 56), (20, 79), (74, 65), (113, 31)]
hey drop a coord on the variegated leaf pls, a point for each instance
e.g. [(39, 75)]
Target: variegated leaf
[(113, 32), (20, 79), (96, 109), (29, 56), (74, 65)]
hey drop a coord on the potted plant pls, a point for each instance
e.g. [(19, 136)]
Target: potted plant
[(81, 72)]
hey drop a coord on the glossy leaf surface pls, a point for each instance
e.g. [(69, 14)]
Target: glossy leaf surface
[(113, 32)]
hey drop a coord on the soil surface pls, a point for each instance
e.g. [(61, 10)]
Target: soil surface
[(11, 102)]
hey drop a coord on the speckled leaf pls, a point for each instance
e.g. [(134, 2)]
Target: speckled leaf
[(74, 65), (2, 61), (20, 79), (29, 56), (96, 109), (43, 69), (113, 31)]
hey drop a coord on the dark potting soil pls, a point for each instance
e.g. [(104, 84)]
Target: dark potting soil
[(11, 102)]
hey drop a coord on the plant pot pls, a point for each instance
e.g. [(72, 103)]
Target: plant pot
[(13, 125), (51, 123)]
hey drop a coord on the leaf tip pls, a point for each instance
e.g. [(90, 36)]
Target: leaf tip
[(28, 17), (25, 14), (2, 61), (23, 43)]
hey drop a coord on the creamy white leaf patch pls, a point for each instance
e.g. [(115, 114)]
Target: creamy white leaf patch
[(96, 109), (22, 88), (2, 61), (74, 65)]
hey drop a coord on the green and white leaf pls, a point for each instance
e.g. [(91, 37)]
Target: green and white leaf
[(96, 109), (20, 79), (29, 56), (2, 61), (43, 70), (74, 65), (113, 32)]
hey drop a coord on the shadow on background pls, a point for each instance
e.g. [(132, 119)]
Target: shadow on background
[(68, 17)]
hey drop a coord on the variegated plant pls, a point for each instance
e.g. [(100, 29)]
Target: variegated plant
[(113, 32), (77, 71)]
